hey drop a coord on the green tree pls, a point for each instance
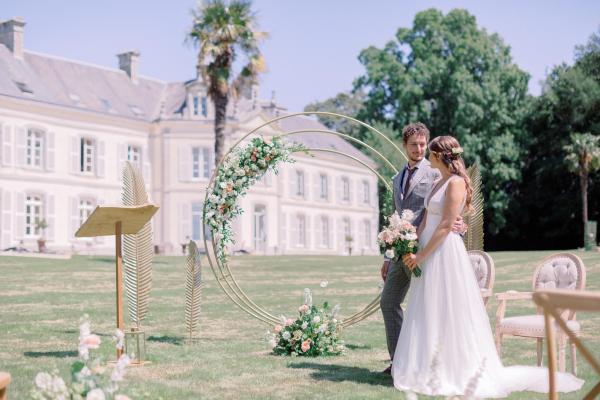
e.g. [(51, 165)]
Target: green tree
[(221, 30), (587, 56), (583, 157), (458, 80)]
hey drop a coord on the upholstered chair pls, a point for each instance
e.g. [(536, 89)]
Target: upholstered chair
[(485, 273), (562, 271)]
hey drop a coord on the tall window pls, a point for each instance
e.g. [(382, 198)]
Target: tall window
[(260, 227), (366, 192), (204, 106), (366, 233), (300, 183), (134, 154), (33, 214), (196, 104), (324, 187), (345, 189), (196, 221), (87, 156), (196, 162), (35, 148), (301, 222), (86, 207), (205, 162), (325, 230)]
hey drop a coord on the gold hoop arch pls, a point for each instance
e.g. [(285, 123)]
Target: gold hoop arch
[(222, 272)]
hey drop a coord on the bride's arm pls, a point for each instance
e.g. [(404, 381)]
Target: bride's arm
[(452, 206)]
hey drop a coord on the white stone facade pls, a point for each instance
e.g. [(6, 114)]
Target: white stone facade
[(66, 129)]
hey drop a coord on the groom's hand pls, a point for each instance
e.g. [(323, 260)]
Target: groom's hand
[(384, 269)]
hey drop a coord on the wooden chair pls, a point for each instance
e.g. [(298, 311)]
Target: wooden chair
[(558, 271), (553, 302), (4, 382), (485, 272)]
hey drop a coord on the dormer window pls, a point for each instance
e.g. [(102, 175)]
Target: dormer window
[(196, 104), (204, 107), (199, 106), (23, 87)]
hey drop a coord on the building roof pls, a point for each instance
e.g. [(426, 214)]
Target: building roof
[(84, 86)]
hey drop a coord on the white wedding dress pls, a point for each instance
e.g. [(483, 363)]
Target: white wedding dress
[(446, 345)]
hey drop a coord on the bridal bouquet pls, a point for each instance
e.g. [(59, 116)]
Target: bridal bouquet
[(399, 237), (314, 333)]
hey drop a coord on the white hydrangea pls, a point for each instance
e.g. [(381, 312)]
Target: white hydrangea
[(407, 215)]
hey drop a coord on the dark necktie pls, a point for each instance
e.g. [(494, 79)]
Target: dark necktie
[(411, 172)]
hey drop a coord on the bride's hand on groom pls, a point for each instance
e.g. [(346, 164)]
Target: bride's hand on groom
[(411, 261), (459, 226)]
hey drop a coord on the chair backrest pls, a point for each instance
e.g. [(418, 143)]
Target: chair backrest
[(485, 272), (560, 271)]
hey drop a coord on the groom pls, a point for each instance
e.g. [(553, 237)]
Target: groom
[(411, 185)]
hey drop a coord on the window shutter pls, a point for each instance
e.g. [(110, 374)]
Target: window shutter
[(20, 215), (122, 159), (76, 155), (6, 218), (49, 208), (7, 150), (294, 231), (374, 194), (283, 240), (21, 141), (338, 189), (146, 164), (186, 226), (341, 243), (74, 203), (308, 232), (100, 159), (185, 164), (319, 231), (360, 193), (293, 184), (50, 151)]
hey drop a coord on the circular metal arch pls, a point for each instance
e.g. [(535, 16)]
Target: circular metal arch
[(222, 272)]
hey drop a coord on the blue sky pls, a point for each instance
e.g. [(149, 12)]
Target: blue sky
[(313, 46)]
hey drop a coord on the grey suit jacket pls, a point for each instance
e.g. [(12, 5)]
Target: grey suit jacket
[(420, 185)]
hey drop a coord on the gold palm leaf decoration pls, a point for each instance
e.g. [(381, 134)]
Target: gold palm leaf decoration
[(193, 288), (137, 249), (474, 237)]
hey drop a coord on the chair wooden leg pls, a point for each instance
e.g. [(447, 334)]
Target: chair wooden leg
[(540, 351), (562, 347), (499, 344), (573, 358)]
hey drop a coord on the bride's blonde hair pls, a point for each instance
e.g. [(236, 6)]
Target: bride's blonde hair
[(448, 151)]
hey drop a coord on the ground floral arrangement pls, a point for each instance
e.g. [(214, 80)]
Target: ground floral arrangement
[(316, 331), (240, 170), (90, 378)]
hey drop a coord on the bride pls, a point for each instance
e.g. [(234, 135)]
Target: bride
[(445, 345)]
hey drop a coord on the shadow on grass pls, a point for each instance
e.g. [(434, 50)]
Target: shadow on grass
[(174, 340), (55, 354), (341, 373), (358, 347)]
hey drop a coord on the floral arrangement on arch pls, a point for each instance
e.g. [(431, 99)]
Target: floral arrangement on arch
[(316, 332), (240, 170), (89, 378)]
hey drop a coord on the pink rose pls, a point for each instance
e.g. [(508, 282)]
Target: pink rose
[(277, 328), (303, 308), (90, 341), (289, 321), (305, 345)]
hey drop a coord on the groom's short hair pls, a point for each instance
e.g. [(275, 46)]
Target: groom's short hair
[(416, 128)]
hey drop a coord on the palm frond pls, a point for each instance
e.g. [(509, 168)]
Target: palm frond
[(137, 249), (193, 289), (474, 219)]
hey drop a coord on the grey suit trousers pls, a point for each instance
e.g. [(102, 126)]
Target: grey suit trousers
[(394, 290)]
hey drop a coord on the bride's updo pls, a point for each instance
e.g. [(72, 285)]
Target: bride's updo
[(448, 151)]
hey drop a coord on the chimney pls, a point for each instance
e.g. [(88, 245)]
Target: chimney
[(11, 35), (128, 62)]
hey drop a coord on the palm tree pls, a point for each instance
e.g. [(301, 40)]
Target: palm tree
[(583, 157), (221, 31)]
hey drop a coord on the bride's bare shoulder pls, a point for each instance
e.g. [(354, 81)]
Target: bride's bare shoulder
[(457, 184)]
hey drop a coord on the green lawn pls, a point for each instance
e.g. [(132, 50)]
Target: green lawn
[(41, 302)]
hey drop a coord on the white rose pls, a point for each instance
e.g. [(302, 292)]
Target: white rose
[(390, 253), (411, 236), (43, 380), (407, 215), (324, 284), (96, 394), (395, 220), (304, 325), (286, 335), (316, 319)]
